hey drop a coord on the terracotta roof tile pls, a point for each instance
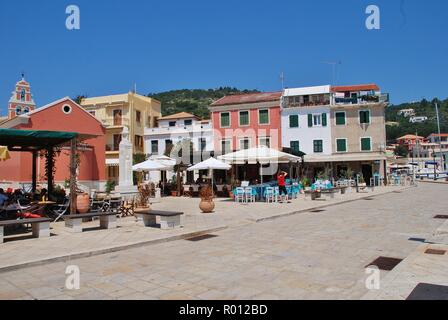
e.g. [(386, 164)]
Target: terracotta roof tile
[(358, 87), (248, 98)]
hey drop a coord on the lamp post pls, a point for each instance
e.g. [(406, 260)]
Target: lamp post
[(434, 162)]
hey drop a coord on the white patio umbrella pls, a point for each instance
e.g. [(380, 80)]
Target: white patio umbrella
[(210, 164), (261, 154), (148, 165)]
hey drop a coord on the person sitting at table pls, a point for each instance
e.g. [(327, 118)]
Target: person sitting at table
[(3, 197)]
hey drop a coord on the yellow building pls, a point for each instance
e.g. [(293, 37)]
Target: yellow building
[(131, 110)]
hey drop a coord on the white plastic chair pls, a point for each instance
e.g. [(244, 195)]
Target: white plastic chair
[(270, 195), (249, 195)]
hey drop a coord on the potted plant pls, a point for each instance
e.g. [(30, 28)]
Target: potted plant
[(142, 201), (207, 205), (361, 181)]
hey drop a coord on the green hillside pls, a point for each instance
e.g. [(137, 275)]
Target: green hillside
[(422, 108), (195, 101)]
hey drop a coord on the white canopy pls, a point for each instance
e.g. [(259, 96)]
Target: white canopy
[(210, 163), (149, 165), (261, 154), (165, 161)]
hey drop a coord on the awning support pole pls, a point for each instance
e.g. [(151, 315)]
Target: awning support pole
[(73, 195)]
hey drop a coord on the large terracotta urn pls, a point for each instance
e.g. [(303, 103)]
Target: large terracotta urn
[(83, 203), (207, 206)]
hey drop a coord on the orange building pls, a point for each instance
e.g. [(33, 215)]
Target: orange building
[(62, 115)]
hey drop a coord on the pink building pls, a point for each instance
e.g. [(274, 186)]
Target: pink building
[(246, 121), (61, 115)]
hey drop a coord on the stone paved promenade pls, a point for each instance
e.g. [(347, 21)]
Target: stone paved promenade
[(307, 255)]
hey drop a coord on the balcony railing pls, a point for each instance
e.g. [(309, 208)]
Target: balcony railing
[(383, 98), (111, 147)]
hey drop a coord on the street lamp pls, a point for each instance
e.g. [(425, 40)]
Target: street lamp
[(434, 162)]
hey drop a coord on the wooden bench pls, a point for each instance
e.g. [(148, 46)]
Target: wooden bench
[(166, 219), (40, 226), (108, 220)]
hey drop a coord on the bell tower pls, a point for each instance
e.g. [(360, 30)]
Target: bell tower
[(21, 101)]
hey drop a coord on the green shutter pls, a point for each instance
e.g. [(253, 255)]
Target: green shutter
[(225, 120), (295, 147), (324, 119), (365, 144), (310, 120), (263, 116), (341, 145), (340, 118), (294, 121), (244, 118), (364, 116)]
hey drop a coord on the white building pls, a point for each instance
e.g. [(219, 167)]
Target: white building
[(406, 113), (418, 119), (305, 120), (173, 129)]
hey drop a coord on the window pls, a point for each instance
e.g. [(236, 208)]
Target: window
[(264, 141), (22, 95), (172, 123), (188, 122), (340, 118), (317, 120), (294, 121), (117, 117), (364, 116), (225, 146), (244, 118), (67, 109), (263, 116), (318, 146), (341, 145), (225, 120), (244, 143), (138, 142), (117, 140), (138, 116), (295, 147), (203, 143), (366, 144), (155, 147), (168, 145), (93, 113), (18, 110)]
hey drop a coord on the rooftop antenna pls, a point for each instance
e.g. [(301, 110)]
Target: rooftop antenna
[(282, 79), (135, 88), (334, 65)]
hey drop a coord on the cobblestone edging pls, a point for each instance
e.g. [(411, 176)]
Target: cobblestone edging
[(86, 254)]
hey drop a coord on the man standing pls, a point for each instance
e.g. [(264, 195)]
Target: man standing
[(282, 185)]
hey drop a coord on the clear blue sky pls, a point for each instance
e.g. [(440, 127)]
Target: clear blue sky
[(166, 45)]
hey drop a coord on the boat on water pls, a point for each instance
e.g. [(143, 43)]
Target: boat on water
[(428, 173)]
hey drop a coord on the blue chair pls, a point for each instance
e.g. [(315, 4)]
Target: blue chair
[(239, 194)]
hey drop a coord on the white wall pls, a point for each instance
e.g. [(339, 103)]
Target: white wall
[(304, 134)]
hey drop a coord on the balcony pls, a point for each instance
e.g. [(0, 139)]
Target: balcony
[(112, 148), (178, 129), (365, 99)]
